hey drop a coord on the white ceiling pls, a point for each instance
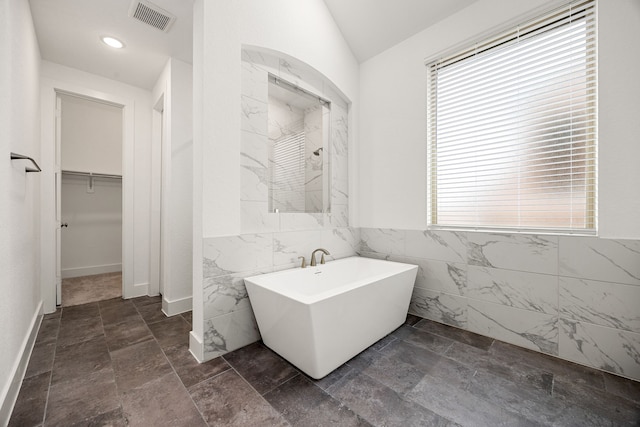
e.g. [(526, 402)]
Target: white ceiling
[(69, 31), (372, 26)]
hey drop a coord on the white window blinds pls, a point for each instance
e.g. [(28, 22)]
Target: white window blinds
[(512, 128)]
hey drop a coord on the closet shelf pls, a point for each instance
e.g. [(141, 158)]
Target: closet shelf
[(91, 174)]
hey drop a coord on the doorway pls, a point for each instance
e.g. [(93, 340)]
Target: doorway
[(89, 140)]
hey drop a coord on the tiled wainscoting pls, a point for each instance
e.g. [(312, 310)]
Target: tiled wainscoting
[(568, 296), (228, 318)]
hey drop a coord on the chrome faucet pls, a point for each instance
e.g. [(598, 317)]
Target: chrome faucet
[(313, 256)]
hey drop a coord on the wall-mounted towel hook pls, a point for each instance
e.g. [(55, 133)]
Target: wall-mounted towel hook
[(16, 156)]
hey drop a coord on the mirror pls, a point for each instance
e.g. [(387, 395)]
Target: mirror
[(298, 130)]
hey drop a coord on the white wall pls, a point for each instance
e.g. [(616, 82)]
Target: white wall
[(175, 158), (303, 30), (392, 120), (136, 160), (92, 243), (20, 305), (91, 136)]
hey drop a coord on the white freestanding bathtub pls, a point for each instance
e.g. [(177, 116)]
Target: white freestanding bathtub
[(320, 317)]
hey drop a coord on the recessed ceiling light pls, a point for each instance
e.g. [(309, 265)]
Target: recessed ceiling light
[(113, 42)]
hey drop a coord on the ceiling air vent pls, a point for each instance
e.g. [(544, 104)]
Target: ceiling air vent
[(151, 14)]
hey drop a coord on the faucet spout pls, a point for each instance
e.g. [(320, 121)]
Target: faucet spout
[(313, 256)]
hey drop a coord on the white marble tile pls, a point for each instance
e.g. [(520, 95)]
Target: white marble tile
[(226, 294), (256, 218), (235, 254), (607, 260), (537, 331), (261, 60), (520, 289), (609, 349), (300, 221), (339, 132), (441, 276), (438, 306), (254, 150), (603, 303), (436, 244), (302, 75), (338, 217), (254, 82), (229, 332), (341, 242), (523, 252), (339, 180), (382, 240), (336, 96), (375, 255), (254, 183), (254, 116), (288, 246)]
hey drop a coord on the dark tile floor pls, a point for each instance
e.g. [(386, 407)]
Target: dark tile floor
[(124, 363)]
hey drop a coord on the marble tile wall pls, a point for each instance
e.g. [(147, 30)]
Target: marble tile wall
[(270, 241), (577, 298), (228, 317)]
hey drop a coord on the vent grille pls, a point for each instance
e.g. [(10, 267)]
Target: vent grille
[(151, 14)]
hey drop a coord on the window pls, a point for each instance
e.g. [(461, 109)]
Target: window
[(512, 128)]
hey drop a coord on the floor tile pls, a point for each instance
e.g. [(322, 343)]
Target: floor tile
[(139, 364), (507, 353), (335, 376), (622, 387), (79, 330), (152, 313), (161, 402), (41, 359), (171, 331), (81, 399), (432, 342), (188, 316), (189, 370), (466, 354), (462, 406), (48, 332), (599, 404), (380, 405), (30, 406), (80, 312), (227, 400), (419, 357), (131, 330), (528, 401), (78, 360), (398, 376), (456, 334), (113, 418), (304, 404), (117, 312), (366, 358), (431, 374), (261, 367)]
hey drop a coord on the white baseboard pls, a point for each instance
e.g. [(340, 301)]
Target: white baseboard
[(68, 273), (138, 290), (196, 347), (182, 305), (12, 389)]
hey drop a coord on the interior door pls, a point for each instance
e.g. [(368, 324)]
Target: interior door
[(58, 191)]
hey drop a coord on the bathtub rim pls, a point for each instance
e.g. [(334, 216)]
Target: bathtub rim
[(321, 296)]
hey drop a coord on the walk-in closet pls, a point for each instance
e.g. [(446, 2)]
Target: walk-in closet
[(90, 141)]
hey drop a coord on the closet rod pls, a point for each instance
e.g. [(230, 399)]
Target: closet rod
[(91, 174)]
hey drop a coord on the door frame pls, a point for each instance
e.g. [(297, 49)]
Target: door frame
[(49, 153)]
